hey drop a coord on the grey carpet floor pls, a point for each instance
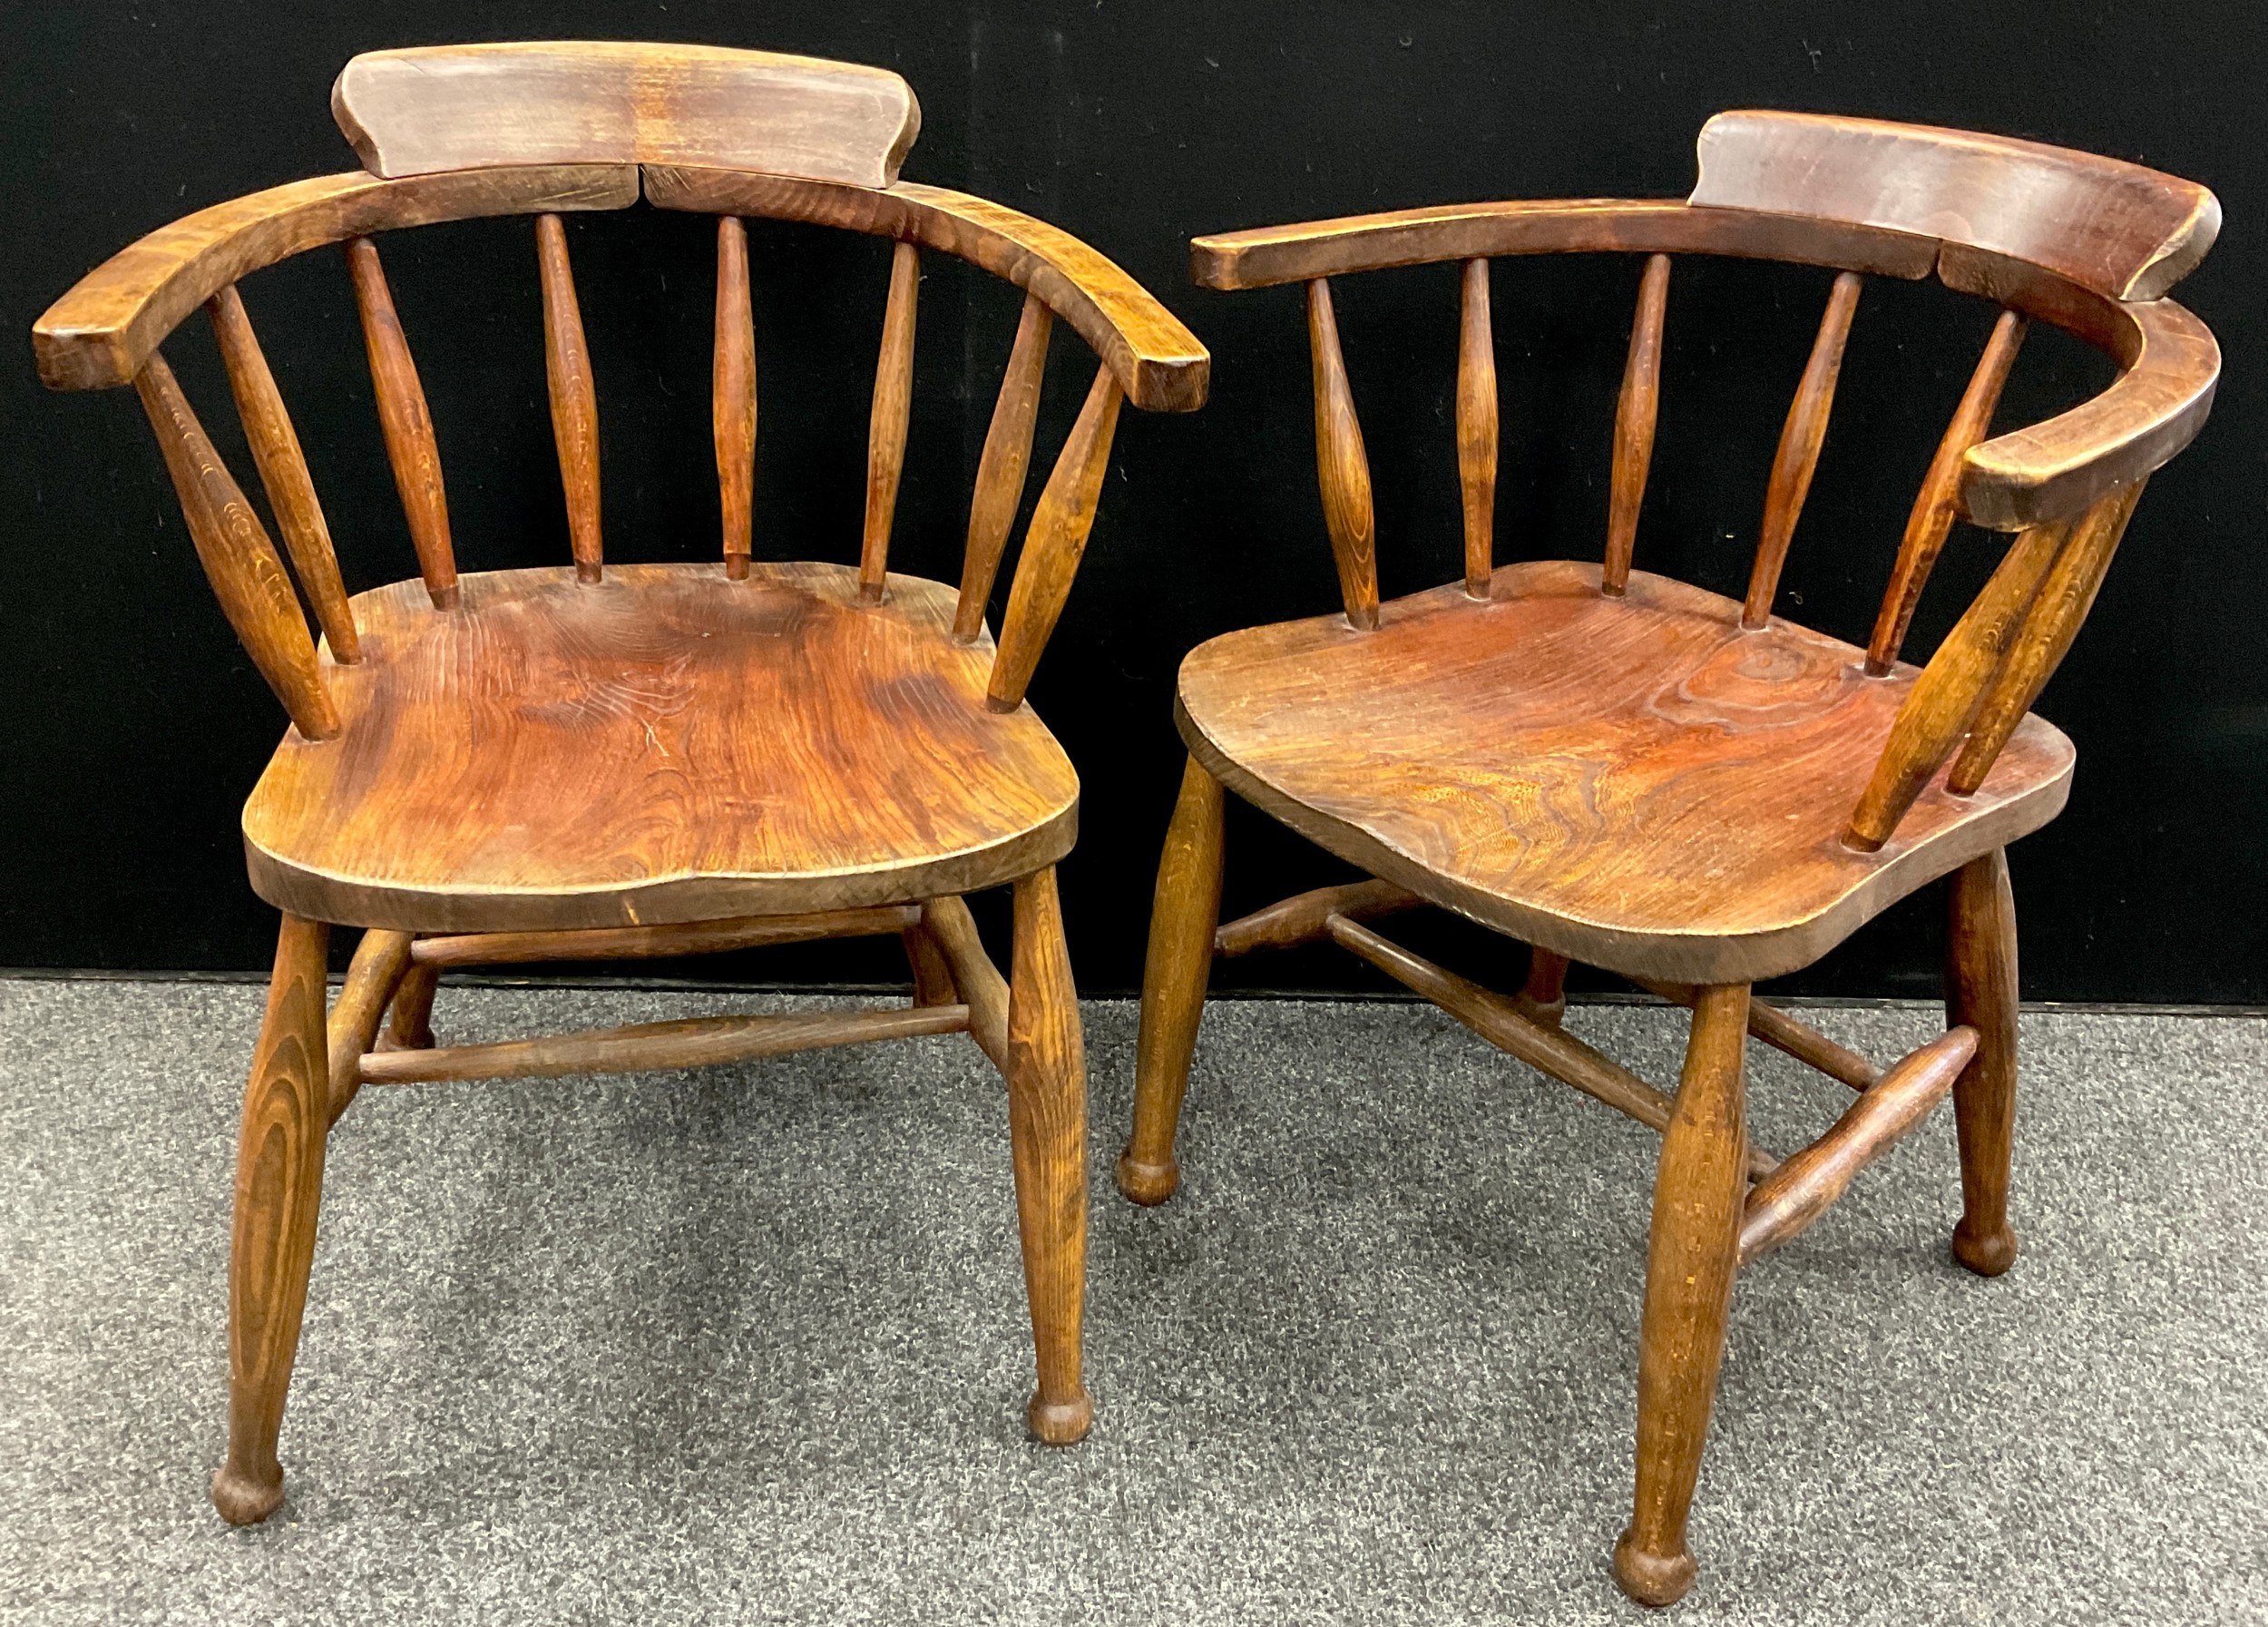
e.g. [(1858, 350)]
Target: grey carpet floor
[(749, 1345)]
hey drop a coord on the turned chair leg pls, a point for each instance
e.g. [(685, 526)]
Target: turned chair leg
[(1543, 997), (1182, 918), (410, 1027), (1980, 991), (932, 973), (278, 1188), (1047, 1120), (1698, 1191)]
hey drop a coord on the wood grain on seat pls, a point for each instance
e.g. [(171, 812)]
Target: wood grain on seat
[(1633, 782), (665, 745)]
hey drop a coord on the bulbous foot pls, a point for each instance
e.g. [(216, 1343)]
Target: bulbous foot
[(1653, 1579), (1061, 1422), (1988, 1255), (1148, 1184), (243, 1501)]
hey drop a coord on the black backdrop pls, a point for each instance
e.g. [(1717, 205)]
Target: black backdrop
[(131, 727)]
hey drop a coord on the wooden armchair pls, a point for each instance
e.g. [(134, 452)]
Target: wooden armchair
[(1686, 790), (595, 760)]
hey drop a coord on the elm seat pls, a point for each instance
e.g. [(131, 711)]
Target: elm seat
[(665, 745), (1635, 780)]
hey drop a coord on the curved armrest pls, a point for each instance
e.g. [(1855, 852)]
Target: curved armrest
[(1156, 361), (101, 332), (2169, 367), (1268, 255)]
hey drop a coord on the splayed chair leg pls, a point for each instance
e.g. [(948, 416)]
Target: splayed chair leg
[(1047, 1117), (1980, 991), (1698, 1191), (410, 1025), (278, 1188), (1183, 915)]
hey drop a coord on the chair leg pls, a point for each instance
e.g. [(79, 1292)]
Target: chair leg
[(1543, 997), (410, 1028), (1182, 918), (1698, 1191), (1980, 991), (278, 1188), (932, 973), (1047, 1120)]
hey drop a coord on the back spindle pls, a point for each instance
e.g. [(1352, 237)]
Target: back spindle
[(1938, 503), (246, 572), (574, 397), (283, 471), (410, 446), (1635, 411), (1341, 468), (886, 426), (1801, 437), (732, 395), (1000, 472), (2041, 642), (1477, 426)]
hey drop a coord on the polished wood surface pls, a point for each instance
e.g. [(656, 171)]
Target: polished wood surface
[(593, 763), (1054, 544), (1000, 470), (732, 396), (2170, 367), (1156, 361), (574, 397), (1046, 1123), (978, 980), (686, 1042), (435, 108), (99, 334), (1935, 506), (1937, 709), (1687, 791), (1263, 256), (242, 565), (1477, 425), (1801, 437), (2118, 227), (278, 1189), (885, 423), (1636, 410), (1633, 782), (645, 942), (2050, 623), (1182, 919), (381, 959), (2168, 360), (283, 473), (1980, 993), (673, 701), (1305, 917), (406, 424), (1691, 1257), (1787, 1200), (1341, 468)]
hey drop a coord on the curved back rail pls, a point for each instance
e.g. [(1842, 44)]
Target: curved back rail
[(2084, 243), (106, 331)]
